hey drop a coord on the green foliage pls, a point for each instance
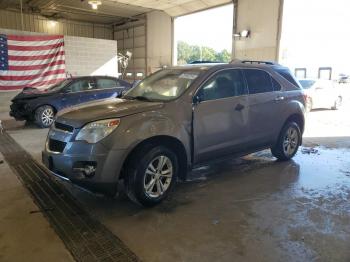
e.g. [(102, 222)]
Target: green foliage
[(188, 53)]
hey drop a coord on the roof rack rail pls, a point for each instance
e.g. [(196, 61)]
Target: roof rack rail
[(253, 62), (203, 62)]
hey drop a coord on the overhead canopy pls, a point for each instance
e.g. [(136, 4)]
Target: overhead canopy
[(110, 11)]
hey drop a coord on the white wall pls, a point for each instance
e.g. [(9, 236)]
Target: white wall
[(90, 56), (262, 19), (85, 56)]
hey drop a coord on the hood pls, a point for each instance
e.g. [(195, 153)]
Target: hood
[(111, 108), (30, 93)]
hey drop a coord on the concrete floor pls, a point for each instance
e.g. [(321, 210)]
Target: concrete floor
[(247, 209), (25, 234)]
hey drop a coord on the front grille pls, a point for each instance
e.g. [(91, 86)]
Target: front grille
[(56, 146), (64, 127)]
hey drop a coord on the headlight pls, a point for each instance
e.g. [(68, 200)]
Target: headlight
[(95, 131)]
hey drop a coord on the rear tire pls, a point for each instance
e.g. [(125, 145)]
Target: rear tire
[(288, 142), (151, 174), (44, 116)]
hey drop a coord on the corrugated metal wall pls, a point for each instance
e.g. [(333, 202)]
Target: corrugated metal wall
[(36, 23), (132, 37)]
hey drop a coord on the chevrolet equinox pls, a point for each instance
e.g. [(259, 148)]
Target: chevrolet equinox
[(173, 120)]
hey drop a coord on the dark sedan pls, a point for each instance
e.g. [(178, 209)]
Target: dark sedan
[(41, 106)]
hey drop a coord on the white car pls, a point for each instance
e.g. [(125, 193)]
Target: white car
[(321, 93)]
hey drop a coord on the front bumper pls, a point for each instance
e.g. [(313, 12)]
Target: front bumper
[(19, 111), (75, 154)]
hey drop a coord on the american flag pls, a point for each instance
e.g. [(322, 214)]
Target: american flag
[(31, 61)]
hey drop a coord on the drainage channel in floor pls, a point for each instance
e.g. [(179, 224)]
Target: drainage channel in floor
[(85, 237)]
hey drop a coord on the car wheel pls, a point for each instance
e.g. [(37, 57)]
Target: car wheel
[(308, 106), (337, 103), (288, 142), (151, 174), (44, 116)]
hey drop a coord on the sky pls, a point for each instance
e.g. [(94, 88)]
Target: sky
[(316, 33), (212, 28)]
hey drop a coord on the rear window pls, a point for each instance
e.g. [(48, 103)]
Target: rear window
[(284, 72), (276, 85), (258, 81)]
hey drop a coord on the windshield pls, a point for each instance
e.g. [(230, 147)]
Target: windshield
[(164, 85), (59, 85), (307, 83)]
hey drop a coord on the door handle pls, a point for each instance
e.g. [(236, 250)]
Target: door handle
[(279, 98), (239, 107)]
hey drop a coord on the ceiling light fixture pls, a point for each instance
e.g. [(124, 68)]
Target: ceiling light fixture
[(94, 4), (52, 23), (243, 34)]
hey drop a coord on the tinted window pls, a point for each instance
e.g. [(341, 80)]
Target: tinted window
[(226, 83), (276, 85), (258, 81), (82, 85), (287, 75), (103, 83)]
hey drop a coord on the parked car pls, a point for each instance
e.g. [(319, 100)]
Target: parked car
[(41, 106), (174, 120), (321, 94), (343, 79)]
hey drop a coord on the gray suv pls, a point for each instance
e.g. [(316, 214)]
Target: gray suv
[(173, 120)]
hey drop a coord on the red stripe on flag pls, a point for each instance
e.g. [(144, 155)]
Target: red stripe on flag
[(34, 57), (33, 37), (37, 84), (34, 48), (30, 77), (35, 67)]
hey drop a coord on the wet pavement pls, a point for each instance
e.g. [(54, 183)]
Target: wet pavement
[(248, 209)]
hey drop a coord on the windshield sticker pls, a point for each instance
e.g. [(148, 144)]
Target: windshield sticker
[(188, 76)]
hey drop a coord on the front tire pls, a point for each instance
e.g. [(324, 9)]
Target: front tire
[(44, 116), (151, 174), (288, 142)]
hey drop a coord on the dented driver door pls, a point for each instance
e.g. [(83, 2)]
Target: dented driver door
[(220, 116)]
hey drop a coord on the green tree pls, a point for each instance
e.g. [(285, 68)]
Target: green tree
[(188, 53), (223, 56)]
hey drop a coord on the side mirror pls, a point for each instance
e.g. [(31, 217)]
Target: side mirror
[(196, 100)]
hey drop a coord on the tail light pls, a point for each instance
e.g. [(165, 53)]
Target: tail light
[(306, 97)]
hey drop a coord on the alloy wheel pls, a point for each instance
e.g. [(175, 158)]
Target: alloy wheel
[(158, 176), (47, 117), (291, 141)]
